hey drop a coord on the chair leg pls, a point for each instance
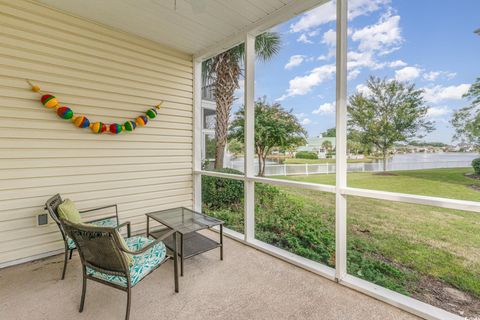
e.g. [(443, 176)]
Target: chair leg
[(129, 301), (65, 264), (70, 257), (84, 291)]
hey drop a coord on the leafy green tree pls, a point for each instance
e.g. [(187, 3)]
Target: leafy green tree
[(466, 121), (354, 147), (235, 147), (223, 72), (391, 112), (330, 133), (327, 145), (354, 142), (274, 127)]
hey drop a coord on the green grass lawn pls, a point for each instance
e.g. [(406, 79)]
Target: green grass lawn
[(446, 183), (431, 241)]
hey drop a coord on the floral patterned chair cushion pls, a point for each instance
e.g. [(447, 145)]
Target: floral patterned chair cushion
[(142, 264), (109, 222)]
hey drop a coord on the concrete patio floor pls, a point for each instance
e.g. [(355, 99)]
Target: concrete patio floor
[(248, 284)]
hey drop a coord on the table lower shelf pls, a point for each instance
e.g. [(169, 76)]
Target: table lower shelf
[(193, 243)]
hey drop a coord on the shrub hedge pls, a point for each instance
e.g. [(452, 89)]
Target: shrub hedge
[(222, 193), (306, 155), (476, 166)]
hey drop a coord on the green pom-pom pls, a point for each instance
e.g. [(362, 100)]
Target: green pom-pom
[(152, 113)]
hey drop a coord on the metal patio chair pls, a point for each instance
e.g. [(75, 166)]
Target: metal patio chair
[(104, 257), (52, 205)]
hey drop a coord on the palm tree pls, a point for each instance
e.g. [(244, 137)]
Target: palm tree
[(327, 145), (223, 72)]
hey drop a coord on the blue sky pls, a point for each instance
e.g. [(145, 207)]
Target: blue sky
[(428, 42)]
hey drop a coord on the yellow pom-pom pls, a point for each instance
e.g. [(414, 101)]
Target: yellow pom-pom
[(35, 88), (90, 125)]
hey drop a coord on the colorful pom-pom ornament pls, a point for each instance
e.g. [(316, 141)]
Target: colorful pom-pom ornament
[(141, 121), (65, 113), (152, 113), (81, 122), (115, 128), (49, 101), (129, 125), (98, 127)]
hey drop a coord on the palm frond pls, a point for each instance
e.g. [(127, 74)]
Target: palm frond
[(267, 45)]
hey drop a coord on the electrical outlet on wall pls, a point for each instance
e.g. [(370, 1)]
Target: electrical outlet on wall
[(42, 219)]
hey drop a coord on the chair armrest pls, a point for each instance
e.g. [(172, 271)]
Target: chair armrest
[(100, 219), (127, 224), (100, 208), (149, 246)]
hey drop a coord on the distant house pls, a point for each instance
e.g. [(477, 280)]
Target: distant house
[(315, 144)]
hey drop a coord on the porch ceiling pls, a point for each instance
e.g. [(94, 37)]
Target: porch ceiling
[(191, 26)]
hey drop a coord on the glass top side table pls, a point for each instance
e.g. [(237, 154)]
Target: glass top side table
[(186, 223)]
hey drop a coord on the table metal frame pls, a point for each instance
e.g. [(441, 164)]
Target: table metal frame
[(207, 245)]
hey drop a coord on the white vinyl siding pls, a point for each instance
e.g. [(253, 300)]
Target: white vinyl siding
[(107, 76)]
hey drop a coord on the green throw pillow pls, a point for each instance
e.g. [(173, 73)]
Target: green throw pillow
[(68, 211), (125, 246)]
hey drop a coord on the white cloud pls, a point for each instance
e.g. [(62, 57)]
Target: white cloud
[(435, 112), (330, 38), (306, 121), (382, 36), (302, 85), (302, 117), (374, 40), (407, 73), (295, 61), (439, 93), (433, 75), (325, 108), (304, 39), (362, 60), (322, 57), (397, 64), (363, 89), (384, 52), (327, 13), (358, 60), (353, 74)]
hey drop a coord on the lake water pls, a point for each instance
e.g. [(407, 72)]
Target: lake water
[(434, 157)]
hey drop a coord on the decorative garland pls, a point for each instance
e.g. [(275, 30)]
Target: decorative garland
[(66, 113)]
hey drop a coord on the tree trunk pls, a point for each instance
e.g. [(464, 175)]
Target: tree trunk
[(264, 161), (261, 164), (385, 160), (227, 70)]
